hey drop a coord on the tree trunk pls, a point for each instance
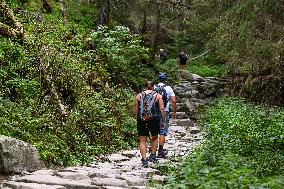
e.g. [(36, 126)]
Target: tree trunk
[(46, 6), (9, 26), (156, 37), (63, 12), (105, 12), (144, 27), (47, 79)]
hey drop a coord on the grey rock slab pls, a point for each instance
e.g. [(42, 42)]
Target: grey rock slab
[(44, 172), (159, 178), (178, 129), (117, 158), (23, 185), (53, 180), (72, 175), (194, 130), (109, 182), (185, 122), (143, 172), (103, 172), (132, 163), (139, 187), (130, 153), (181, 115), (113, 187), (133, 180), (17, 156), (171, 141)]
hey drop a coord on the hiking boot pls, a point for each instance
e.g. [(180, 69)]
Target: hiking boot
[(153, 158), (144, 163), (162, 154)]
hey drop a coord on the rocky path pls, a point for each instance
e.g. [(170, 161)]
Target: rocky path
[(124, 169)]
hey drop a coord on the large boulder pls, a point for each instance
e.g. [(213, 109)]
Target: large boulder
[(187, 76), (17, 156)]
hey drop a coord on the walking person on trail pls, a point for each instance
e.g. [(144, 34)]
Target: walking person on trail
[(182, 58), (163, 56), (149, 109), (168, 96)]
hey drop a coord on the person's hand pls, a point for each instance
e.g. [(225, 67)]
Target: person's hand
[(175, 118), (163, 125)]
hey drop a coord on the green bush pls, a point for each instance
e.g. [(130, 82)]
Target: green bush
[(120, 54), (207, 66), (56, 63), (243, 148)]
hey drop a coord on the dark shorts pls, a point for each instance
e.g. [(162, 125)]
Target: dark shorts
[(182, 63), (152, 127)]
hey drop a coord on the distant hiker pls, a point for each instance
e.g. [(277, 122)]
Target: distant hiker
[(182, 58), (148, 108), (163, 56), (168, 96)]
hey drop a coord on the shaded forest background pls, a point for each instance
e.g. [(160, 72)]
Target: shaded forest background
[(69, 69)]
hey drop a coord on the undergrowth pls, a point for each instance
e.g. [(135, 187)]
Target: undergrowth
[(243, 148)]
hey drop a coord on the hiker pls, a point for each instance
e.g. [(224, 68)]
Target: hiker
[(169, 96), (182, 58), (149, 108), (163, 56)]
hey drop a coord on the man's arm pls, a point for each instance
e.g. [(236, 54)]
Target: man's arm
[(173, 101), (161, 106)]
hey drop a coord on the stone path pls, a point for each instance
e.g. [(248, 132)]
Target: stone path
[(124, 169)]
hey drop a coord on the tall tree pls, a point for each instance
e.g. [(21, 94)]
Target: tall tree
[(104, 14)]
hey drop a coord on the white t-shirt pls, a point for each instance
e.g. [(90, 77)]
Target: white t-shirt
[(169, 92)]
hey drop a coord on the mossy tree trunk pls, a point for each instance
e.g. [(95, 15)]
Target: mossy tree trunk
[(63, 11), (9, 24), (46, 6)]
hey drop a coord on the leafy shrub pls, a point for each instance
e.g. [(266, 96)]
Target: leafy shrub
[(52, 66), (207, 66), (120, 53), (243, 148)]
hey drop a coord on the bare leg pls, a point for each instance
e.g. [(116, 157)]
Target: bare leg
[(142, 146), (162, 139), (154, 144)]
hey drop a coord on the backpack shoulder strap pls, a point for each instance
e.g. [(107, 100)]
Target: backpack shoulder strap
[(142, 98), (152, 100)]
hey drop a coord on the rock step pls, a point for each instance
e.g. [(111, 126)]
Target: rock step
[(180, 115), (16, 185), (185, 122)]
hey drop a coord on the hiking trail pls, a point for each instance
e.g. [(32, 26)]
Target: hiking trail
[(123, 169)]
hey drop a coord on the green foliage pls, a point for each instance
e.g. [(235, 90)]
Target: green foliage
[(243, 148), (120, 53), (171, 68), (248, 35), (207, 66), (57, 64)]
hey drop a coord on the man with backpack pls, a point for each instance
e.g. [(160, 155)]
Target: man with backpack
[(163, 56), (182, 58), (149, 109), (168, 96)]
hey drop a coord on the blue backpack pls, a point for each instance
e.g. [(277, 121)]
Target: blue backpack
[(162, 91)]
